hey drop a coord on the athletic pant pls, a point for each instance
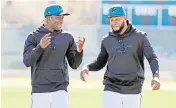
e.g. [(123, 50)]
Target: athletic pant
[(58, 99), (117, 100)]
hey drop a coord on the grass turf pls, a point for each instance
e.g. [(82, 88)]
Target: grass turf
[(19, 97)]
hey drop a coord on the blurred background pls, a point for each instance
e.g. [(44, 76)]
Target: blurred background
[(88, 18)]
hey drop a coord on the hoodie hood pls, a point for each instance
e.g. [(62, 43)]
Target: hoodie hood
[(43, 29), (128, 31)]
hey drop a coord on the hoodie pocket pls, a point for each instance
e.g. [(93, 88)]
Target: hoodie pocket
[(49, 76), (123, 78)]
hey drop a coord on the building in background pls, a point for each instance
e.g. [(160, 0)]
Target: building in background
[(145, 13)]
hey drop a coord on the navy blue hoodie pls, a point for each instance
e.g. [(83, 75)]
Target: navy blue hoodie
[(49, 71), (124, 56)]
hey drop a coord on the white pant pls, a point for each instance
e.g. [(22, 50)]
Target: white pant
[(117, 100), (58, 99)]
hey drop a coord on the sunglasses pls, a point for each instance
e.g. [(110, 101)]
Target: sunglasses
[(115, 18)]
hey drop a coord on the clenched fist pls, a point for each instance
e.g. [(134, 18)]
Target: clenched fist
[(45, 41), (155, 83), (80, 44), (84, 73)]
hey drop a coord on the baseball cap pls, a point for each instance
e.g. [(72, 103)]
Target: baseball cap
[(54, 10), (116, 10)]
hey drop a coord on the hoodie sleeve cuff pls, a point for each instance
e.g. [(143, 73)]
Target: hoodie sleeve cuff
[(79, 53)]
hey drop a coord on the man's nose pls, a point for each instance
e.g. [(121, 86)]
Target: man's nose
[(116, 22), (59, 21)]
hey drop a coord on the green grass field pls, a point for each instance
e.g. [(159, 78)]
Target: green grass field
[(19, 97)]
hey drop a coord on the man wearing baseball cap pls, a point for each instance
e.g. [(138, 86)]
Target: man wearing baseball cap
[(123, 50), (45, 51)]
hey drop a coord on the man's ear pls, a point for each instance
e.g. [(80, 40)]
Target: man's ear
[(125, 17), (47, 18)]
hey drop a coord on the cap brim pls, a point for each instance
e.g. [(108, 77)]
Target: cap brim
[(114, 16), (65, 14)]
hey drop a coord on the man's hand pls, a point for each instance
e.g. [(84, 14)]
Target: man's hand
[(84, 73), (80, 44), (155, 83), (45, 41)]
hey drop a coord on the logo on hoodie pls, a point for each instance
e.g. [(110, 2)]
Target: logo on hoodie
[(121, 47)]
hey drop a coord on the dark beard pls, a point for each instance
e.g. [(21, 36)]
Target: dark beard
[(120, 30)]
